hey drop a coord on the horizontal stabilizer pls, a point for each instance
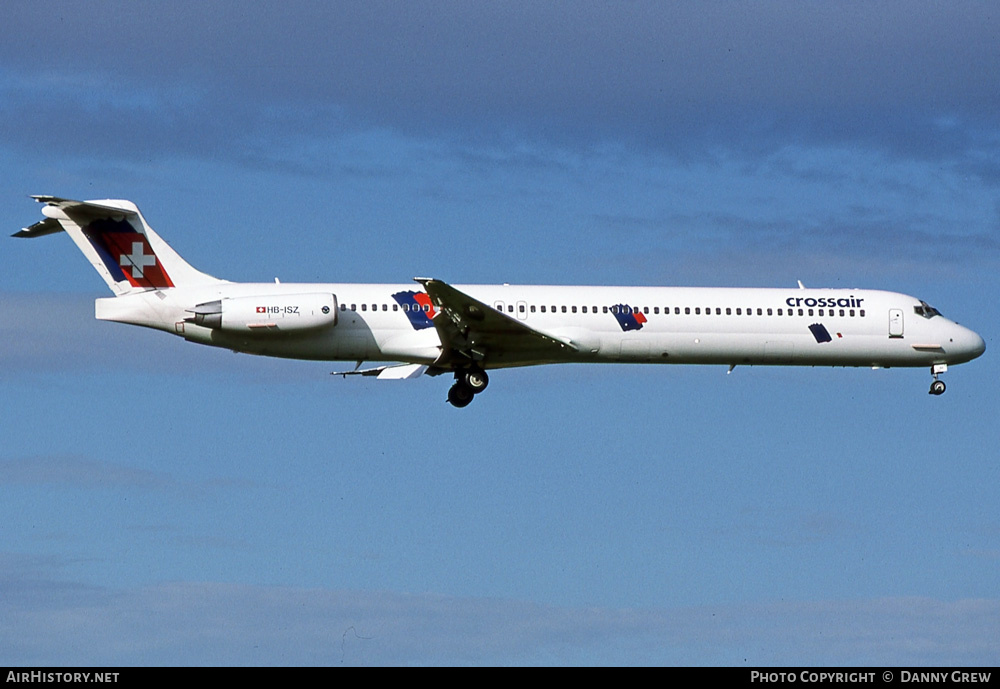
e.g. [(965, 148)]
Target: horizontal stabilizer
[(90, 209), (123, 249), (40, 229)]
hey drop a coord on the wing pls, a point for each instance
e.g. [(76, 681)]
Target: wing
[(472, 331)]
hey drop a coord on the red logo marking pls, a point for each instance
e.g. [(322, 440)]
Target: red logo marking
[(424, 300)]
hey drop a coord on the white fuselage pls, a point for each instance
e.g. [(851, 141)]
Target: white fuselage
[(432, 327), (671, 325)]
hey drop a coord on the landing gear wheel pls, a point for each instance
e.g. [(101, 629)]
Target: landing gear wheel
[(460, 395), (476, 379), (937, 387)]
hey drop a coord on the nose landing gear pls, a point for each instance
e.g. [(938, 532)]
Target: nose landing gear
[(937, 386)]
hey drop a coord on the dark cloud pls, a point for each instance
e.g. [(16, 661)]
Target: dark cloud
[(214, 76)]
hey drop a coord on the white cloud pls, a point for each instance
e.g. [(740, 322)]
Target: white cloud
[(78, 471), (234, 624)]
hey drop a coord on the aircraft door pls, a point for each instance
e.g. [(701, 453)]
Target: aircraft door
[(895, 322), (522, 310)]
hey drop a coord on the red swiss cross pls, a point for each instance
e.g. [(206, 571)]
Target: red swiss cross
[(136, 259)]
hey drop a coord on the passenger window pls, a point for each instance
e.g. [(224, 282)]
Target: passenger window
[(532, 308), (573, 309), (364, 307), (687, 310), (862, 311), (520, 308), (697, 310), (780, 313), (800, 312), (841, 313), (729, 311), (354, 307), (769, 312), (584, 308), (810, 312), (760, 312)]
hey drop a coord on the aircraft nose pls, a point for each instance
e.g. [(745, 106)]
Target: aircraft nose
[(979, 345), (970, 344)]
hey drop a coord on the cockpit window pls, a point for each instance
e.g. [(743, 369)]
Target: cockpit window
[(926, 310)]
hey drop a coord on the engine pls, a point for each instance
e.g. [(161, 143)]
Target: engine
[(283, 312)]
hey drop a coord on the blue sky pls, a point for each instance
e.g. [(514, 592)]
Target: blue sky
[(164, 503)]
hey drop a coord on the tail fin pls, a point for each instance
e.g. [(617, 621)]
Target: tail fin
[(115, 238)]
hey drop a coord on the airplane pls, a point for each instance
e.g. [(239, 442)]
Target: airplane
[(432, 327)]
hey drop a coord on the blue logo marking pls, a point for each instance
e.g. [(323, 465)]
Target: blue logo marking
[(417, 307), (820, 332), (628, 318)]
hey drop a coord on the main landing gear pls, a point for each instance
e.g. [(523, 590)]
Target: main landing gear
[(468, 383), (937, 386)]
